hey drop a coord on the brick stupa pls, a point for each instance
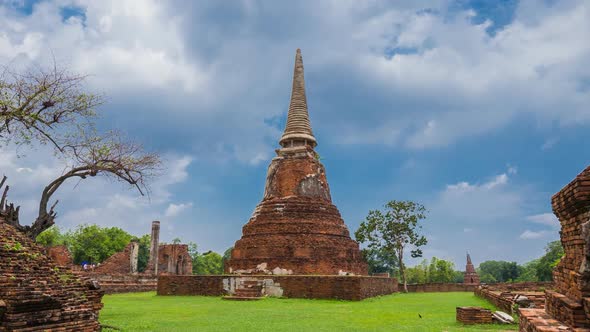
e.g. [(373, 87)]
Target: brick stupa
[(471, 277), (296, 229)]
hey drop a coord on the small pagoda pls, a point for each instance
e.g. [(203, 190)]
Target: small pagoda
[(471, 277), (296, 229)]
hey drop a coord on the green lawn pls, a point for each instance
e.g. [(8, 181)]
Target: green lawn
[(398, 312)]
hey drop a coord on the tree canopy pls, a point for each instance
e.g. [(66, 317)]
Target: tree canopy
[(392, 231)]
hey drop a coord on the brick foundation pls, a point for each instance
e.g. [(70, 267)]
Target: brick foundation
[(302, 286), (474, 315)]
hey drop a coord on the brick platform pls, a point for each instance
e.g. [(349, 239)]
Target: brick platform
[(474, 315), (440, 287), (303, 286)]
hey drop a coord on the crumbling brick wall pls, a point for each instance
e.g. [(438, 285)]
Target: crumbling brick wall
[(61, 255), (572, 275), (296, 228), (36, 295), (123, 262), (300, 286), (174, 259), (569, 304)]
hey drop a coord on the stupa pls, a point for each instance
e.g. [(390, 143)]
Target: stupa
[(296, 229), (471, 277)]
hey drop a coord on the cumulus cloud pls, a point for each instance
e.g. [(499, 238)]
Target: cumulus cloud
[(533, 235), (174, 210)]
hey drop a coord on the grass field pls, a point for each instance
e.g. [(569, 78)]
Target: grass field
[(399, 312)]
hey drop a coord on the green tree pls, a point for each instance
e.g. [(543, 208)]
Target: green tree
[(143, 255), (441, 270), (226, 256), (94, 244), (209, 263), (553, 254), (393, 230), (380, 261), (418, 274), (51, 237), (499, 271), (528, 271)]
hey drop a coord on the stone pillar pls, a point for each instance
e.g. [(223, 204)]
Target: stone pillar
[(133, 256), (153, 261)]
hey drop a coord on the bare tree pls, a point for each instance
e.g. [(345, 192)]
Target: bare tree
[(42, 106), (88, 156)]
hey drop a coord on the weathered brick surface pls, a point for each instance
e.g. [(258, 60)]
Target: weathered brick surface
[(39, 296), (60, 255), (174, 259), (121, 262), (474, 315), (502, 295), (301, 286), (470, 277), (568, 304), (122, 283), (296, 227)]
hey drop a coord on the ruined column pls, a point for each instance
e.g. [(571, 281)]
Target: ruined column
[(134, 256), (153, 261)]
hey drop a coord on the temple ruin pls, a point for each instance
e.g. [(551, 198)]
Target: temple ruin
[(471, 277), (568, 306), (38, 295), (296, 229)]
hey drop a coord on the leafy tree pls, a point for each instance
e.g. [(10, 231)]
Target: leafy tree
[(209, 263), (226, 256), (393, 230), (528, 271), (498, 271), (418, 274), (94, 244), (206, 263), (459, 277), (51, 237), (441, 270), (380, 261), (144, 252), (553, 254)]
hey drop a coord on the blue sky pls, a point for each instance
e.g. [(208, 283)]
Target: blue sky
[(476, 109)]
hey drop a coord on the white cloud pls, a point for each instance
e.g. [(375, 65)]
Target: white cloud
[(547, 219), (533, 235), (174, 210)]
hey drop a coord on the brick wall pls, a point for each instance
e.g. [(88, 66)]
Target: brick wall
[(122, 283), (502, 294), (118, 263), (317, 287)]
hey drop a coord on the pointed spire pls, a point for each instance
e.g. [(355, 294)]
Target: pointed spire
[(469, 260), (298, 128)]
